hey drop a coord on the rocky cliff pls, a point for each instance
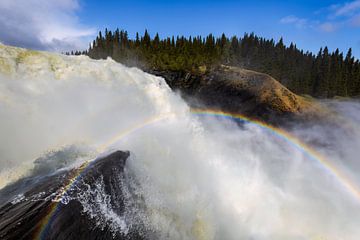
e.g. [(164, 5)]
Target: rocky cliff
[(87, 202), (237, 90)]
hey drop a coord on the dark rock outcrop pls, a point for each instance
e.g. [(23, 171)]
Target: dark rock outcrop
[(237, 90), (50, 212)]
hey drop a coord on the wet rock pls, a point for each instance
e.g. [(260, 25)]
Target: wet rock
[(241, 91), (88, 202)]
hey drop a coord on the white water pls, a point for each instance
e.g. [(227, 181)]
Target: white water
[(200, 178)]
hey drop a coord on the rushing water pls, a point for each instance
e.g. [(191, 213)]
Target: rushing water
[(200, 177)]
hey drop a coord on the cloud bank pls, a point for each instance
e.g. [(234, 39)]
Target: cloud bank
[(298, 22), (347, 8), (329, 19), (43, 25)]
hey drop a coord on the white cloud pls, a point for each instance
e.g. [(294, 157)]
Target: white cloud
[(43, 24), (347, 8), (298, 22), (327, 27), (348, 14), (329, 19), (355, 21), (302, 23)]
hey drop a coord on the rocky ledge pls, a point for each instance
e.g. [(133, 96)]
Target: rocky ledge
[(237, 90), (89, 202)]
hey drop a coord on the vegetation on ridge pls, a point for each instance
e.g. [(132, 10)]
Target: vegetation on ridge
[(326, 74)]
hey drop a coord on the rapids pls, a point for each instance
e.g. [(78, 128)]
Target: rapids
[(199, 177)]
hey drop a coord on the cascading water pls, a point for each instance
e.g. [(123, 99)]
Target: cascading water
[(199, 176)]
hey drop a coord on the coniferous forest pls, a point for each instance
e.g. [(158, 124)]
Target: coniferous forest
[(326, 74)]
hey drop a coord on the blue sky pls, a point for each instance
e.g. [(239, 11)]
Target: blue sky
[(310, 24)]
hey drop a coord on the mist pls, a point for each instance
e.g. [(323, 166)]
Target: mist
[(199, 177), (49, 101)]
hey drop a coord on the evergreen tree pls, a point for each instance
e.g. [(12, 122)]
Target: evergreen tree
[(325, 75)]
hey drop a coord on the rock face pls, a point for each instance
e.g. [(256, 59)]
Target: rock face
[(93, 207), (238, 90)]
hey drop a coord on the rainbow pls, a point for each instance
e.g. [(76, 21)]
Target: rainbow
[(291, 140), (44, 227)]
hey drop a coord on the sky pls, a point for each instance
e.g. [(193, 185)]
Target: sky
[(65, 25)]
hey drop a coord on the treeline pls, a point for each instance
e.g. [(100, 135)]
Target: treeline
[(76, 53), (326, 74)]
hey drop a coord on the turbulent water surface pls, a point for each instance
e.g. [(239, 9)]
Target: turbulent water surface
[(198, 177)]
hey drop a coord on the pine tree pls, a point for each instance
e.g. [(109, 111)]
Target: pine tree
[(324, 75)]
